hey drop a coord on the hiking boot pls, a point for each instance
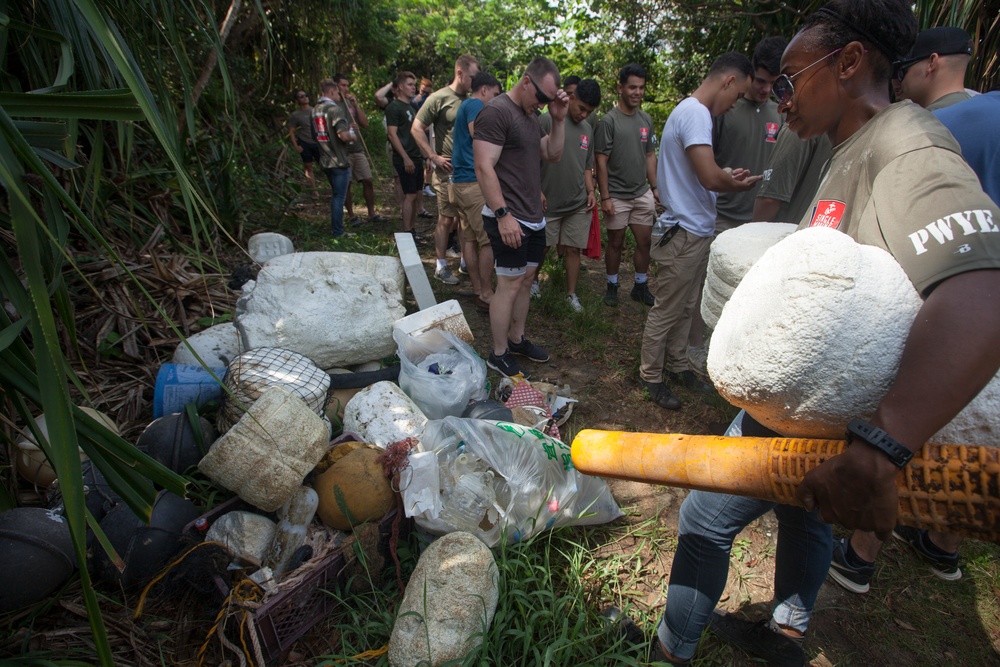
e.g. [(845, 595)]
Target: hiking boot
[(944, 565), (641, 293), (856, 579), (505, 364), (689, 380), (761, 639), (661, 395), (536, 290), (528, 349), (574, 303), (445, 275), (611, 294)]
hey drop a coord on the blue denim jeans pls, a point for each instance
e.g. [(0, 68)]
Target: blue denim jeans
[(709, 522), (340, 180)]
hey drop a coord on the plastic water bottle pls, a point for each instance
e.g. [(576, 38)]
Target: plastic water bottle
[(471, 506), (293, 524)]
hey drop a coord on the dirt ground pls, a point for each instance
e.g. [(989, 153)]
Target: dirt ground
[(908, 618)]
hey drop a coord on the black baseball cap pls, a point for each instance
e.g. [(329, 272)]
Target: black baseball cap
[(943, 41)]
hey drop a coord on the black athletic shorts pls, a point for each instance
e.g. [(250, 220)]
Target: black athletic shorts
[(411, 183), (310, 152), (509, 260)]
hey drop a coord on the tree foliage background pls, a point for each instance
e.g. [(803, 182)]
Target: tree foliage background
[(133, 128)]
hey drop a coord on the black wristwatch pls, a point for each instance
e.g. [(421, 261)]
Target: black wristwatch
[(879, 439), (501, 212)]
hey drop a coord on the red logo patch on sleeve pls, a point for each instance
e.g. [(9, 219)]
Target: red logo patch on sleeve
[(644, 134), (772, 133), (584, 141), (828, 213)]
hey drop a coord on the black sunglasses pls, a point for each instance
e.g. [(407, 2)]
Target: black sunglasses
[(900, 66), (539, 95), (301, 95), (782, 89)]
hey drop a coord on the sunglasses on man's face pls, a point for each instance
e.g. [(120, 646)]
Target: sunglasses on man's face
[(782, 89), (539, 95), (899, 69), (301, 95)]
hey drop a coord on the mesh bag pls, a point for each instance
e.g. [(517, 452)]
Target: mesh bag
[(252, 372)]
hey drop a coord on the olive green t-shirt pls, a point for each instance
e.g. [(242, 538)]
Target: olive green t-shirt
[(948, 100), (563, 182), (439, 110), (744, 137), (900, 184), (626, 140), (792, 175), (301, 122), (400, 115)]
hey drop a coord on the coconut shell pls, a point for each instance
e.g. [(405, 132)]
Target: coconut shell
[(353, 490)]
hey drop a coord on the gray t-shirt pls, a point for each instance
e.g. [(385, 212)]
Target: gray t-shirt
[(504, 123), (563, 182), (744, 137), (900, 184), (792, 175), (438, 111), (626, 140)]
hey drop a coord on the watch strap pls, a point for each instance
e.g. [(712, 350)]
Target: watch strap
[(899, 454)]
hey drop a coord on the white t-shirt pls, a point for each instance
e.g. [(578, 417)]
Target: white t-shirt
[(686, 200)]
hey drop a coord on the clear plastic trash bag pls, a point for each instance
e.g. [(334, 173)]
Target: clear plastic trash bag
[(439, 372), (499, 480)]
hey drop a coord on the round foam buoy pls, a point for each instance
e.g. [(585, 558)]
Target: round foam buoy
[(96, 492), (488, 409), (145, 550), (353, 490), (171, 441), (36, 556)]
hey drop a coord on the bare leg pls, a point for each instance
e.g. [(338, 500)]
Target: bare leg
[(502, 308), (397, 189), (369, 192), (443, 230), (519, 314), (469, 252), (409, 211), (310, 176), (485, 263), (643, 235), (613, 253), (572, 256)]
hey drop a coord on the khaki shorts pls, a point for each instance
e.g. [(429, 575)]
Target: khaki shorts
[(468, 199), (441, 184), (360, 169), (638, 211), (571, 229)]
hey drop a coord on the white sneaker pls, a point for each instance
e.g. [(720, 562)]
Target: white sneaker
[(446, 276), (428, 192), (574, 303), (536, 290)]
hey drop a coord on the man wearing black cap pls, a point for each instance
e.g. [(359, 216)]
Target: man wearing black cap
[(932, 74)]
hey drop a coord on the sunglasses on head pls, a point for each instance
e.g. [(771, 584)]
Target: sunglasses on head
[(782, 89), (539, 95)]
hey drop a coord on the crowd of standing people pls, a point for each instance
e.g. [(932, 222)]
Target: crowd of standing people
[(806, 131)]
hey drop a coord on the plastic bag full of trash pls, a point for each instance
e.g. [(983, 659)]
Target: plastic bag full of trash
[(439, 372), (499, 480)]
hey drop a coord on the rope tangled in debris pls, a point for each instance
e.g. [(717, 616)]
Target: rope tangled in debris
[(394, 460)]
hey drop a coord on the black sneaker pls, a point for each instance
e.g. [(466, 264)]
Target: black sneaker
[(661, 395), (505, 364), (623, 629), (462, 270), (641, 293), (529, 350), (611, 294), (689, 380), (943, 565), (761, 639), (854, 579)]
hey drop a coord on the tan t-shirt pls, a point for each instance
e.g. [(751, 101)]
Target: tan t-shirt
[(439, 110), (900, 184)]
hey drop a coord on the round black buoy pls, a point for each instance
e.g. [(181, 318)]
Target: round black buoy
[(36, 556)]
